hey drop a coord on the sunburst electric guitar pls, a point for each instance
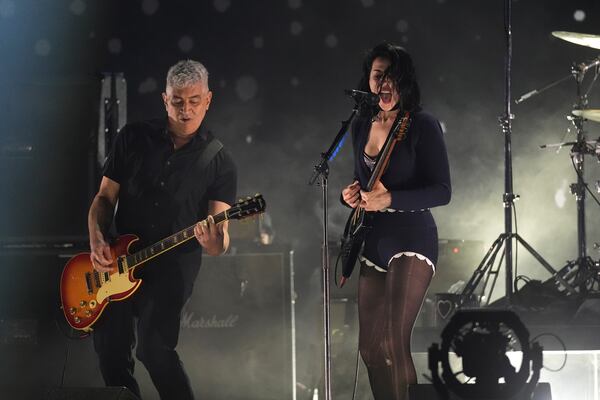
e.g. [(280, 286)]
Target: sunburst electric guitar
[(85, 292)]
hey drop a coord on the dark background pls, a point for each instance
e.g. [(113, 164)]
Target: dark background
[(277, 71)]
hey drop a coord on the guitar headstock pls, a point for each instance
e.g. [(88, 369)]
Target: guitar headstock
[(247, 207)]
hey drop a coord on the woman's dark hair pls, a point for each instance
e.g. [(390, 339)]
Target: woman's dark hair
[(401, 71)]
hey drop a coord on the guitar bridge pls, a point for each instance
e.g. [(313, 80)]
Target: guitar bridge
[(121, 264), (97, 279)]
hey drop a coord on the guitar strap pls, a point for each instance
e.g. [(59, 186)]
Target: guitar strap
[(192, 181)]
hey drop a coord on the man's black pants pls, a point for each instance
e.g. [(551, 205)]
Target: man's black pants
[(154, 313)]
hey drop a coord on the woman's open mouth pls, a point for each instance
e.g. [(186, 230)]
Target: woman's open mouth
[(386, 97)]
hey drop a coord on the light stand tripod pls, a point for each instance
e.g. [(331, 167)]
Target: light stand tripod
[(487, 266)]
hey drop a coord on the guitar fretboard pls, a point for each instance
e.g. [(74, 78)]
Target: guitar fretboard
[(397, 133), (166, 244)]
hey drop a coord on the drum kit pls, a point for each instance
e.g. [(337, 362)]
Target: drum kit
[(582, 273), (580, 276)]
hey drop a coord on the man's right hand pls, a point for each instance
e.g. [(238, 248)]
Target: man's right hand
[(101, 256), (351, 194)]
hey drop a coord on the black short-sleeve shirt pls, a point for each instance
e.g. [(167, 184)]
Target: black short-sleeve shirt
[(162, 189)]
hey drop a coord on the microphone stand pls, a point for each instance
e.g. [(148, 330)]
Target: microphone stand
[(322, 171)]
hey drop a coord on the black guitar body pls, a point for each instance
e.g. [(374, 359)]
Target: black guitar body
[(357, 227)]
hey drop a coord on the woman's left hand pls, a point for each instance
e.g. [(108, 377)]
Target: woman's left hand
[(377, 199)]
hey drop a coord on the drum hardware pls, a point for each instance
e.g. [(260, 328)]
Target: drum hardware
[(591, 115), (582, 39), (574, 278), (487, 270), (581, 272)]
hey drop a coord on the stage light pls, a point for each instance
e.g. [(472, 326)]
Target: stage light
[(479, 340), (7, 8), (185, 43), (43, 47), (331, 40), (296, 28), (150, 7), (77, 7), (294, 4), (579, 15), (222, 5)]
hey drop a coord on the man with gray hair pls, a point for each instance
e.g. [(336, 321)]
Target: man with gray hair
[(166, 174)]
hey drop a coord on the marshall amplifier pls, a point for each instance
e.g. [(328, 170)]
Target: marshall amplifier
[(84, 393), (238, 331)]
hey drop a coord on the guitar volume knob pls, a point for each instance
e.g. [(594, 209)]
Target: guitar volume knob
[(72, 310), (83, 303)]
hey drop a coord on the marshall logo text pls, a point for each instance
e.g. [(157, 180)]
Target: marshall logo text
[(189, 322)]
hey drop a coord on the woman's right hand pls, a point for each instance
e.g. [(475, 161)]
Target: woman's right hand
[(351, 194)]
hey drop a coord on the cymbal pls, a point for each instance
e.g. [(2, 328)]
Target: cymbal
[(582, 39), (592, 115)]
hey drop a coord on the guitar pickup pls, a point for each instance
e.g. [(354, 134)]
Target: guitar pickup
[(88, 282), (120, 265)]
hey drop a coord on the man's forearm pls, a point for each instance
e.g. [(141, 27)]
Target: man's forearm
[(100, 216)]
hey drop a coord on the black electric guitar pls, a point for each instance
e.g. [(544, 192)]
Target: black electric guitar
[(359, 222)]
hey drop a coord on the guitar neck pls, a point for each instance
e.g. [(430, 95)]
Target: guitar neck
[(166, 244), (397, 133)]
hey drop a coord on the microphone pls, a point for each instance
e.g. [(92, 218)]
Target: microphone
[(359, 96)]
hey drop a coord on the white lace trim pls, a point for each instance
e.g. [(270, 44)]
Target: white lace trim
[(371, 264), (404, 253), (392, 210)]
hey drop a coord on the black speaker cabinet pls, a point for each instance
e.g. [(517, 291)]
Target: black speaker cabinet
[(427, 392), (238, 335), (105, 393), (33, 351)]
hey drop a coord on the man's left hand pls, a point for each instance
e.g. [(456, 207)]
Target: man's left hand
[(210, 236)]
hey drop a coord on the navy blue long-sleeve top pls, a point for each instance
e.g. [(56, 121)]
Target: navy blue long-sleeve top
[(418, 179)]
